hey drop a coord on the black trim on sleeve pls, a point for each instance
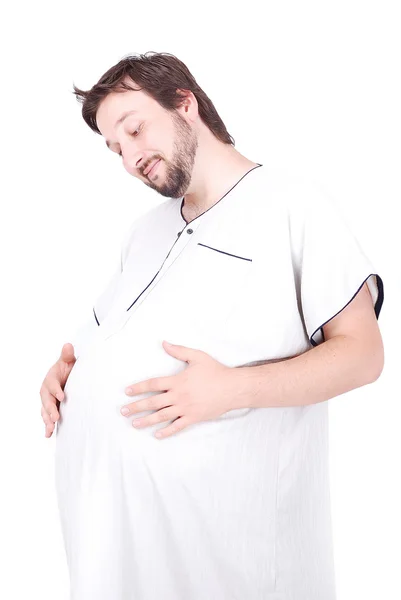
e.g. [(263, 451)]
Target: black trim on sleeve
[(377, 307), (380, 297), (95, 316)]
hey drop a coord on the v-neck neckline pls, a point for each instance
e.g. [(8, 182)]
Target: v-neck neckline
[(210, 207)]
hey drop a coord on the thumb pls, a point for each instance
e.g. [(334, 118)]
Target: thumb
[(182, 352), (67, 353)]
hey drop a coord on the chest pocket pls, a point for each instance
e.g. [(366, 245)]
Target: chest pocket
[(216, 282)]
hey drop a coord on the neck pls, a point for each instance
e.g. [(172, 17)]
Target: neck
[(217, 168)]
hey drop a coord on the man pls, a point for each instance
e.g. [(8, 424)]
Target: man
[(272, 308)]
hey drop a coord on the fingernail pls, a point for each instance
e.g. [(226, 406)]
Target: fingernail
[(125, 411)]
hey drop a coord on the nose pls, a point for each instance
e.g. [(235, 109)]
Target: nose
[(136, 164)]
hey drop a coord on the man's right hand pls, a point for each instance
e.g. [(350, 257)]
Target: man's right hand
[(52, 389)]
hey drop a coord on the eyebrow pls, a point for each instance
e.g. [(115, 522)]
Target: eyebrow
[(120, 120)]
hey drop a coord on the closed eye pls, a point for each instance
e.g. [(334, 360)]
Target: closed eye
[(136, 131), (134, 134)]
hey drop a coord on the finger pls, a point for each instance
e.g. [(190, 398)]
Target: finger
[(152, 403), (155, 384), (183, 352), (45, 416), (47, 391), (178, 425), (49, 425), (49, 403), (165, 414), (54, 387), (49, 430), (67, 353)]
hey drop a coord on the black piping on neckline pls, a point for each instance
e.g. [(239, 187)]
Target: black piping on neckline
[(186, 223), (210, 207)]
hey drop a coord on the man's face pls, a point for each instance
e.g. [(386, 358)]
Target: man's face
[(150, 133)]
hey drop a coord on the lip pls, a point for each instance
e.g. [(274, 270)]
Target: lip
[(146, 172)]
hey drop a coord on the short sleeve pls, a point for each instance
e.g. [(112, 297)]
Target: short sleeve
[(330, 266)]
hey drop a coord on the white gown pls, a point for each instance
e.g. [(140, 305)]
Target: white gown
[(235, 508)]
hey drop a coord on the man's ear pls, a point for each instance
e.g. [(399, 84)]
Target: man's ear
[(188, 98)]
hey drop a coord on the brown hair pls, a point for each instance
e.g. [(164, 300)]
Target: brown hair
[(160, 74)]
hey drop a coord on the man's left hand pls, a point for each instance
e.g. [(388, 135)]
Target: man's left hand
[(203, 391)]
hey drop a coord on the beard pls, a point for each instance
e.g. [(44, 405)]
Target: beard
[(178, 171)]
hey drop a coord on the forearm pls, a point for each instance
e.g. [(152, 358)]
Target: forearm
[(334, 367)]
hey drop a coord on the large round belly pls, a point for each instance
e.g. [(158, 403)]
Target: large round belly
[(92, 429), (210, 488), (95, 392)]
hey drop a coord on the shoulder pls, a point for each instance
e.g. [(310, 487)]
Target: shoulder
[(279, 187), (307, 201)]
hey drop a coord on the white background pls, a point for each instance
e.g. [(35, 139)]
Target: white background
[(312, 87)]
